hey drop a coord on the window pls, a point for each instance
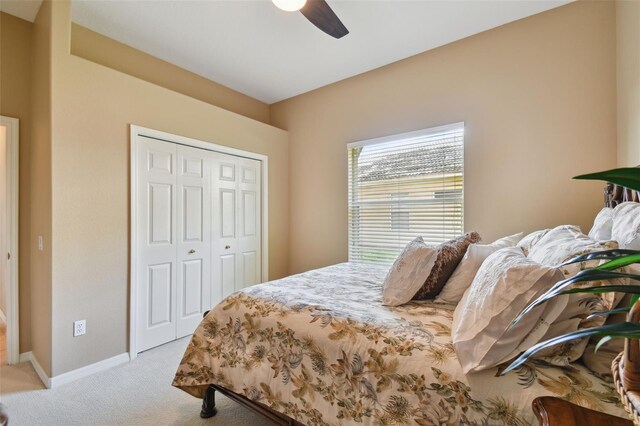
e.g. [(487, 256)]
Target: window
[(400, 217), (405, 186)]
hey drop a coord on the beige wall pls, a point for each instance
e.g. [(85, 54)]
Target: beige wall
[(628, 47), (40, 306), (103, 50), (92, 108), (538, 99), (15, 101)]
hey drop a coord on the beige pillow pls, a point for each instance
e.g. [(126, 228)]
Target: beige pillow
[(449, 255), (556, 247), (466, 271), (408, 273), (505, 284)]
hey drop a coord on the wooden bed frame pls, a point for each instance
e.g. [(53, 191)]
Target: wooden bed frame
[(209, 406), (613, 195)]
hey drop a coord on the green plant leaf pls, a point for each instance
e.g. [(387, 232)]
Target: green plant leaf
[(633, 289), (634, 299), (610, 312), (602, 255), (626, 176), (604, 341), (582, 276), (593, 274), (620, 262), (623, 329)]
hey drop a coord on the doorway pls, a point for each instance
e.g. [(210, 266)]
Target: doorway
[(9, 137)]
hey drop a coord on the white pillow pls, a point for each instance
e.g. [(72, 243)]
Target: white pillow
[(410, 270), (566, 242), (506, 282), (561, 244), (601, 229), (626, 225), (466, 271), (556, 247), (531, 239)]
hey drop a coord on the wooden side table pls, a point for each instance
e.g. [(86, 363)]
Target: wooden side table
[(552, 411)]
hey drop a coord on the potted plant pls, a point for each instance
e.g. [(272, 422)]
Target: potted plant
[(607, 271)]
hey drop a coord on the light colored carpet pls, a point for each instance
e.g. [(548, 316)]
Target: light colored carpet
[(136, 393)]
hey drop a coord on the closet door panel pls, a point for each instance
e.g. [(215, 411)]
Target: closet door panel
[(227, 206), (193, 237), (224, 216), (250, 274), (228, 274), (156, 235), (249, 222), (160, 207), (160, 297), (193, 287)]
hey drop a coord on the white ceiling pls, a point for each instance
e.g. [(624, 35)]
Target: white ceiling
[(25, 9), (264, 52)]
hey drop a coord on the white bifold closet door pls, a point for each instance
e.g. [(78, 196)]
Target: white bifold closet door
[(193, 237), (198, 232), (236, 223)]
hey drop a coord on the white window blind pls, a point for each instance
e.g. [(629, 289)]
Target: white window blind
[(405, 186)]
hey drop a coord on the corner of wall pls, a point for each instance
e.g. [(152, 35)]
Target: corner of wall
[(628, 82), (40, 214)]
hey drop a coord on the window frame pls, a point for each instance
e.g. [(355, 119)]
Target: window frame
[(393, 138)]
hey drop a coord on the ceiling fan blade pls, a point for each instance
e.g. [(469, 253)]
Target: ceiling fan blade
[(322, 16)]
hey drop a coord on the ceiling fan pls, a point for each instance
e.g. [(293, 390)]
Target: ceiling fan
[(318, 13)]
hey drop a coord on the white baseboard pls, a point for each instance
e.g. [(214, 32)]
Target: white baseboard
[(29, 356), (70, 376), (88, 370), (3, 317)]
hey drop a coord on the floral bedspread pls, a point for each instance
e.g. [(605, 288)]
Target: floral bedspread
[(320, 348)]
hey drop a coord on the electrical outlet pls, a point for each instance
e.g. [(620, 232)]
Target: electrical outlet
[(79, 328)]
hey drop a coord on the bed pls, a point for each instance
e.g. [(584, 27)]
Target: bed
[(319, 348)]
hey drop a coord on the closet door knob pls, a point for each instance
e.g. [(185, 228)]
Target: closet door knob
[(192, 251), (227, 247)]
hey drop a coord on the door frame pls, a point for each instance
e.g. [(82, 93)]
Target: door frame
[(11, 212), (138, 131)]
